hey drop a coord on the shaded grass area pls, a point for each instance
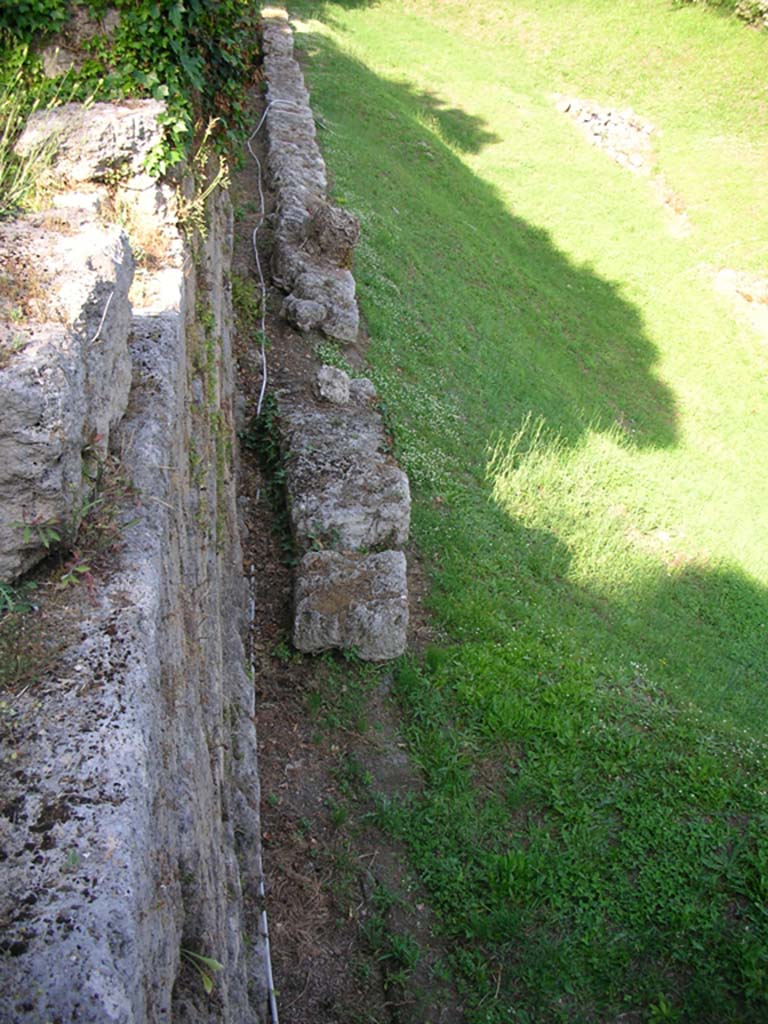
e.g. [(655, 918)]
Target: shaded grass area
[(588, 851), (580, 418)]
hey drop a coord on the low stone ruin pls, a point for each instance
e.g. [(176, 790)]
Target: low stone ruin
[(313, 240), (65, 318), (349, 502), (349, 505), (352, 601), (345, 488)]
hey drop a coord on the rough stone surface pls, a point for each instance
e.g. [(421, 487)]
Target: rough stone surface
[(313, 240), (362, 390), (345, 490), (628, 140), (352, 601), (94, 143), (67, 386), (129, 821), (332, 385), (333, 232), (69, 49), (306, 314), (324, 299)]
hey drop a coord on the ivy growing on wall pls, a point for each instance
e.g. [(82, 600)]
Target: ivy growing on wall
[(195, 55), (26, 19)]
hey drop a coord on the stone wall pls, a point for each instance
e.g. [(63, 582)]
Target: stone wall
[(349, 503), (129, 824)]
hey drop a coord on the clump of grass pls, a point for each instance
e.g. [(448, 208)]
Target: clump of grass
[(262, 438), (246, 300), (150, 242), (24, 180), (9, 346)]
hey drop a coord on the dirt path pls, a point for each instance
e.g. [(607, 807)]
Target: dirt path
[(352, 937)]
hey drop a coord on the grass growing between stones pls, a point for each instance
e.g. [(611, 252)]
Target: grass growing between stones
[(583, 420)]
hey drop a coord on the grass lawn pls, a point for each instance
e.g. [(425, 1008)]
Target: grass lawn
[(583, 418)]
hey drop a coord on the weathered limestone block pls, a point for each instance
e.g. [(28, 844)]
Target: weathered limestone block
[(345, 490), (69, 49), (352, 601), (333, 309), (362, 390), (306, 314), (66, 383), (95, 142), (332, 385), (333, 233)]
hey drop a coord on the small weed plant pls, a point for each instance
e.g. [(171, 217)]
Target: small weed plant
[(205, 968), (24, 180), (16, 599), (246, 299), (209, 172), (262, 437)]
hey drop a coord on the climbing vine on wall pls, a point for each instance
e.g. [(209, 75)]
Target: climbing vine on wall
[(25, 19), (195, 55)]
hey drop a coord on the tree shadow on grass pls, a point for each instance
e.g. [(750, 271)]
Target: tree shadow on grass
[(513, 322), (697, 632), (520, 327), (704, 629), (463, 131)]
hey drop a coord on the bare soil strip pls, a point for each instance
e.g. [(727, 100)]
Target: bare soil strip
[(337, 889)]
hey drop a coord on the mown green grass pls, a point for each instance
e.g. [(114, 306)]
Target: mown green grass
[(583, 420)]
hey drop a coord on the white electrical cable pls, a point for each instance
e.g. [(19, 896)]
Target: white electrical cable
[(261, 889), (262, 282), (263, 354), (268, 955), (96, 338)]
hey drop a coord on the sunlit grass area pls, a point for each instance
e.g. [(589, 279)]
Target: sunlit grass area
[(583, 417)]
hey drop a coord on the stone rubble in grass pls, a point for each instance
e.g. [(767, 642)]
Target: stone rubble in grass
[(624, 136), (628, 140)]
